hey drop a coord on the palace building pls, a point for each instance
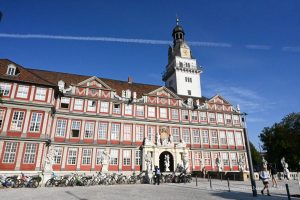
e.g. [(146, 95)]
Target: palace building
[(79, 117)]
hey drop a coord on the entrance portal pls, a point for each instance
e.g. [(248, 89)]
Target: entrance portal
[(162, 161)]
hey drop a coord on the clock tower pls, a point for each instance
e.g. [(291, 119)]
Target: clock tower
[(182, 73)]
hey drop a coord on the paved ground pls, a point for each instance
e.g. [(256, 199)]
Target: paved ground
[(239, 190)]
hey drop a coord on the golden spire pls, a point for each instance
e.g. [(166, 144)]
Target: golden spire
[(177, 20)]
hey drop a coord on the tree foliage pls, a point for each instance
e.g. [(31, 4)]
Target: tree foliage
[(256, 157), (283, 140)]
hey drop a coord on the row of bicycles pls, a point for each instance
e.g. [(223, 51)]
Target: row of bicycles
[(18, 181), (75, 179)]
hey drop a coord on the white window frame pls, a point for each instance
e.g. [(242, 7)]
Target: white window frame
[(23, 91), (78, 104), (40, 94), (137, 157), (214, 137), (220, 118), (30, 153), (212, 117), (185, 115), (140, 111), (197, 158), (163, 113), (86, 156), (223, 138), (89, 129), (104, 107), (228, 119), (127, 132), (139, 132), (225, 159), (186, 135), (203, 116), (58, 155), (102, 132), (176, 134), (205, 136), (2, 115), (175, 114), (194, 115), (76, 124), (117, 108), (65, 101), (5, 89), (114, 157), (151, 111), (233, 159), (126, 157), (10, 152), (207, 158), (151, 133), (36, 122), (230, 138), (128, 109), (238, 138), (91, 105), (17, 120), (61, 127), (99, 156), (196, 136), (72, 156), (115, 131)]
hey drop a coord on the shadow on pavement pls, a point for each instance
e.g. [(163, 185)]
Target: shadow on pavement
[(74, 195)]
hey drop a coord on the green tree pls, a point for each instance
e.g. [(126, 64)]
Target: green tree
[(256, 157), (282, 140)]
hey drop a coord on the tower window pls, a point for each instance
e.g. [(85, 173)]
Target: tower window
[(189, 92), (180, 64), (188, 65), (188, 79), (11, 70)]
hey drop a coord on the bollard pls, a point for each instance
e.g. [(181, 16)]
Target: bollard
[(221, 177), (210, 184), (234, 177), (228, 184), (196, 181), (288, 191)]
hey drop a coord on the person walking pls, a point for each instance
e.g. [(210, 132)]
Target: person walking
[(273, 171), (265, 176), (157, 175)]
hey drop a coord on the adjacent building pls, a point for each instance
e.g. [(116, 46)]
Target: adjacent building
[(80, 116)]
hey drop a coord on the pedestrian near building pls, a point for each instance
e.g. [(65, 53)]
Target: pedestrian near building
[(157, 175), (273, 172), (265, 176)]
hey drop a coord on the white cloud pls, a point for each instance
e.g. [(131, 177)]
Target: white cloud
[(258, 47), (291, 49)]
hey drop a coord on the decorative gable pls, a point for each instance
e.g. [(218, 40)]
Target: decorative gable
[(219, 103), (93, 82), (164, 92)]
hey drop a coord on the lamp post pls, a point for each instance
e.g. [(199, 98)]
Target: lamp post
[(253, 184)]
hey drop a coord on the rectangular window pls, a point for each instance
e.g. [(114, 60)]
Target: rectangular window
[(185, 114), (40, 94), (89, 129), (203, 116), (104, 107), (196, 136), (99, 156), (228, 119), (174, 114), (86, 156), (10, 152), (114, 156), (205, 136), (35, 122), (238, 139), (225, 159), (140, 111), (223, 139), (233, 159), (91, 107), (30, 152), (23, 91), (17, 121), (115, 131), (230, 138), (138, 157), (214, 137), (186, 135), (151, 133), (236, 119), (5, 89), (212, 117), (151, 111), (128, 109), (126, 157), (78, 104), (189, 92), (195, 116), (117, 109), (207, 159), (197, 158), (61, 127), (65, 102), (175, 134), (2, 113), (58, 155), (139, 133), (127, 132), (72, 156), (102, 131), (220, 118), (163, 113), (75, 128)]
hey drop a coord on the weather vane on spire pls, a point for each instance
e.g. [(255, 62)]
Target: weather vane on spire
[(177, 20)]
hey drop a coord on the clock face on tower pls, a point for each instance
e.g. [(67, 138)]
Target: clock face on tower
[(185, 53)]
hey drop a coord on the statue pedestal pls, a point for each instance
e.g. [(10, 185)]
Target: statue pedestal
[(104, 168), (46, 176), (244, 176)]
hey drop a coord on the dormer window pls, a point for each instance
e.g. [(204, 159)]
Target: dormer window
[(11, 70)]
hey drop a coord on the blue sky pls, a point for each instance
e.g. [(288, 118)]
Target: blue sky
[(250, 50)]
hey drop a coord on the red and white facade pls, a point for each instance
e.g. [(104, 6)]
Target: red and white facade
[(83, 116)]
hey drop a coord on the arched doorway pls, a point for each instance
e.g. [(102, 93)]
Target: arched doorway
[(162, 161)]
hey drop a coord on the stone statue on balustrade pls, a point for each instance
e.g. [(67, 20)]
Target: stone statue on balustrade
[(167, 163), (185, 160), (158, 141), (219, 164), (241, 164), (148, 161), (104, 161), (49, 160), (286, 171)]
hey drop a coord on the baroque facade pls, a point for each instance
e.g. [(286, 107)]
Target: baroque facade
[(80, 117)]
